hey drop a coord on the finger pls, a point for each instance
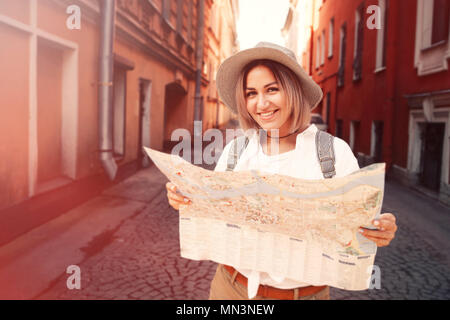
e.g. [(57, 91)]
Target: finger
[(176, 193), (171, 187), (177, 198), (174, 205), (377, 234), (385, 222), (388, 216), (380, 242), (376, 238), (387, 225), (174, 196)]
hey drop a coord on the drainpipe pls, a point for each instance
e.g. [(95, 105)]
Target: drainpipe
[(199, 65), (105, 92)]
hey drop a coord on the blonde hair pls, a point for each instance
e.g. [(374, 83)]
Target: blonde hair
[(298, 109)]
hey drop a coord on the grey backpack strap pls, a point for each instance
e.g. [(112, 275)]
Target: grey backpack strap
[(325, 153), (237, 147)]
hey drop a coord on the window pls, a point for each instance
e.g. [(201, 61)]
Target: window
[(357, 20), (358, 48), (52, 98), (166, 10), (190, 22), (318, 53), (441, 11), (330, 38), (435, 24), (50, 68), (380, 63), (212, 91), (339, 128), (322, 49), (354, 135), (179, 17), (343, 40), (432, 46), (376, 144)]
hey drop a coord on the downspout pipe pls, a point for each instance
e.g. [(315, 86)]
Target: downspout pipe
[(199, 64), (105, 88)]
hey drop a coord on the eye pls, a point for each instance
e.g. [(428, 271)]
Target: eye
[(250, 93), (272, 89)]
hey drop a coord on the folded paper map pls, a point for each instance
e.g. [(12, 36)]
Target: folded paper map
[(304, 230)]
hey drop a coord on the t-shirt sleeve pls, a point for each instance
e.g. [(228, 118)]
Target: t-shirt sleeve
[(222, 162), (345, 161)]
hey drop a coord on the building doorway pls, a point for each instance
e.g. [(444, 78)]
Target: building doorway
[(175, 105), (432, 136), (377, 141)]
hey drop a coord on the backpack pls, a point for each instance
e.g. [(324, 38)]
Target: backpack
[(324, 150)]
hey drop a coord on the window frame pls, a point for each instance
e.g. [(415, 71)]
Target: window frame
[(322, 48), (330, 38), (380, 58), (358, 43), (318, 53), (342, 54)]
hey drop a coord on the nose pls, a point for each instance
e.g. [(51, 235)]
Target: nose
[(262, 101)]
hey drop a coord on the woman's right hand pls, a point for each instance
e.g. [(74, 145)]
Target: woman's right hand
[(175, 199)]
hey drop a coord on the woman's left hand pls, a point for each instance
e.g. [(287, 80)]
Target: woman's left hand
[(386, 230)]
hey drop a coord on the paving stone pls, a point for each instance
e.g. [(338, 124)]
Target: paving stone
[(146, 264)]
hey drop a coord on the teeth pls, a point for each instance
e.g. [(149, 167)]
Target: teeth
[(267, 114)]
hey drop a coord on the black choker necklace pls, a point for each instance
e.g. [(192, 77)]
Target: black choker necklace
[(290, 134)]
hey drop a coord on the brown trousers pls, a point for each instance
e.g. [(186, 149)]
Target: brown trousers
[(224, 288)]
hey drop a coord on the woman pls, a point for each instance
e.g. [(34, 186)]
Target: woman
[(269, 90)]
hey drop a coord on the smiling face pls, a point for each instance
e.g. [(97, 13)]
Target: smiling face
[(264, 86), (266, 100)]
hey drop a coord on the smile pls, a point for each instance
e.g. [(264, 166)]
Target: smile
[(268, 115)]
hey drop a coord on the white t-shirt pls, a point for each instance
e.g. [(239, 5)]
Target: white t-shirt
[(300, 162)]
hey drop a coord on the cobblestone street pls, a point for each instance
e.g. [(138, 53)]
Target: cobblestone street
[(139, 259)]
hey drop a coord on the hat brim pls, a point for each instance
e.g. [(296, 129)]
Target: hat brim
[(229, 70)]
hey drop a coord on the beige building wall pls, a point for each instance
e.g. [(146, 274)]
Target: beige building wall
[(228, 12), (220, 41), (297, 29), (48, 95)]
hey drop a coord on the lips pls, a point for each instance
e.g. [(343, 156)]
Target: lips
[(268, 115)]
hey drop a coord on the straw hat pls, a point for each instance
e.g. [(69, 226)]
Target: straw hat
[(229, 70)]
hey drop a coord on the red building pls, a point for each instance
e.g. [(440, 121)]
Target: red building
[(383, 68), (86, 84)]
